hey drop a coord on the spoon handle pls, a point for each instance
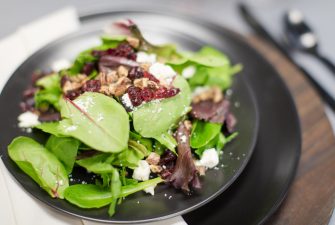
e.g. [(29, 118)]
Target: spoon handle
[(330, 65)]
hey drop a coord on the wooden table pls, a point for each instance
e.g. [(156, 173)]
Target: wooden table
[(310, 200)]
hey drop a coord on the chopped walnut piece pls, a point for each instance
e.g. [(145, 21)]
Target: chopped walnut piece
[(107, 78), (188, 124), (122, 71), (213, 93), (134, 42), (121, 86), (74, 82), (153, 158), (155, 168), (201, 170), (141, 82), (145, 66)]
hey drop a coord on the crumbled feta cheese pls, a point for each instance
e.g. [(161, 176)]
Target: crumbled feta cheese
[(142, 171), (71, 128), (150, 190), (126, 101), (60, 65), (143, 57), (209, 158), (183, 139), (28, 119), (162, 72), (188, 72)]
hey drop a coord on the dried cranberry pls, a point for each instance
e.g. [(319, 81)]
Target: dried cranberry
[(147, 94), (135, 95), (73, 94), (151, 77), (91, 85), (163, 92), (88, 68), (135, 73), (123, 50)]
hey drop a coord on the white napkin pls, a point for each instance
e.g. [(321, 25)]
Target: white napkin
[(18, 207)]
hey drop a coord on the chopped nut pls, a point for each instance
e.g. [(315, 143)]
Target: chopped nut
[(141, 82), (122, 71), (188, 124), (145, 66), (214, 93), (201, 170), (134, 42), (155, 168), (121, 86), (74, 82), (152, 84), (108, 78), (153, 158)]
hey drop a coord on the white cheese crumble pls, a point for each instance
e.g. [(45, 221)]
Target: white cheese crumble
[(162, 72), (188, 72), (209, 158), (143, 57), (142, 173), (126, 101), (28, 119), (71, 128), (86, 104), (60, 65)]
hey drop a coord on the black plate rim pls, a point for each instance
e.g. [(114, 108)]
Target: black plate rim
[(179, 213)]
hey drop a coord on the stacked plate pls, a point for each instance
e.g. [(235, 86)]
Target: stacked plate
[(256, 170)]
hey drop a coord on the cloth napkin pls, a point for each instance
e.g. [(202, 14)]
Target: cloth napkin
[(17, 207)]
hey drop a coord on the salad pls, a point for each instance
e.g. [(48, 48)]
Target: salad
[(132, 113)]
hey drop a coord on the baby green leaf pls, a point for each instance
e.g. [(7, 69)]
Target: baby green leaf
[(97, 120), (94, 196), (115, 189), (50, 127), (203, 133), (167, 140), (156, 117), (96, 163), (39, 164), (65, 149)]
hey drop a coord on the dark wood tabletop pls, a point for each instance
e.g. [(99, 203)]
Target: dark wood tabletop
[(310, 200)]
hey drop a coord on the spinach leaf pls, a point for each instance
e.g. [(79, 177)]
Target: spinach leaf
[(41, 165), (168, 141), (65, 149), (129, 157), (218, 143), (50, 127), (96, 164), (97, 120), (203, 133), (88, 195), (156, 117), (115, 189), (210, 57), (50, 92), (94, 196)]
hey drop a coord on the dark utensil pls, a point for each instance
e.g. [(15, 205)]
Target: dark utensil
[(251, 20), (300, 36), (140, 207)]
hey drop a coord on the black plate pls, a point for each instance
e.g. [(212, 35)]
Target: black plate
[(139, 207)]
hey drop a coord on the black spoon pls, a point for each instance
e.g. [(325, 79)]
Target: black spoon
[(300, 36)]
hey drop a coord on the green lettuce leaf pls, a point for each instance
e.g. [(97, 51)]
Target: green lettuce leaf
[(96, 120), (203, 132), (156, 117), (40, 164), (65, 149)]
